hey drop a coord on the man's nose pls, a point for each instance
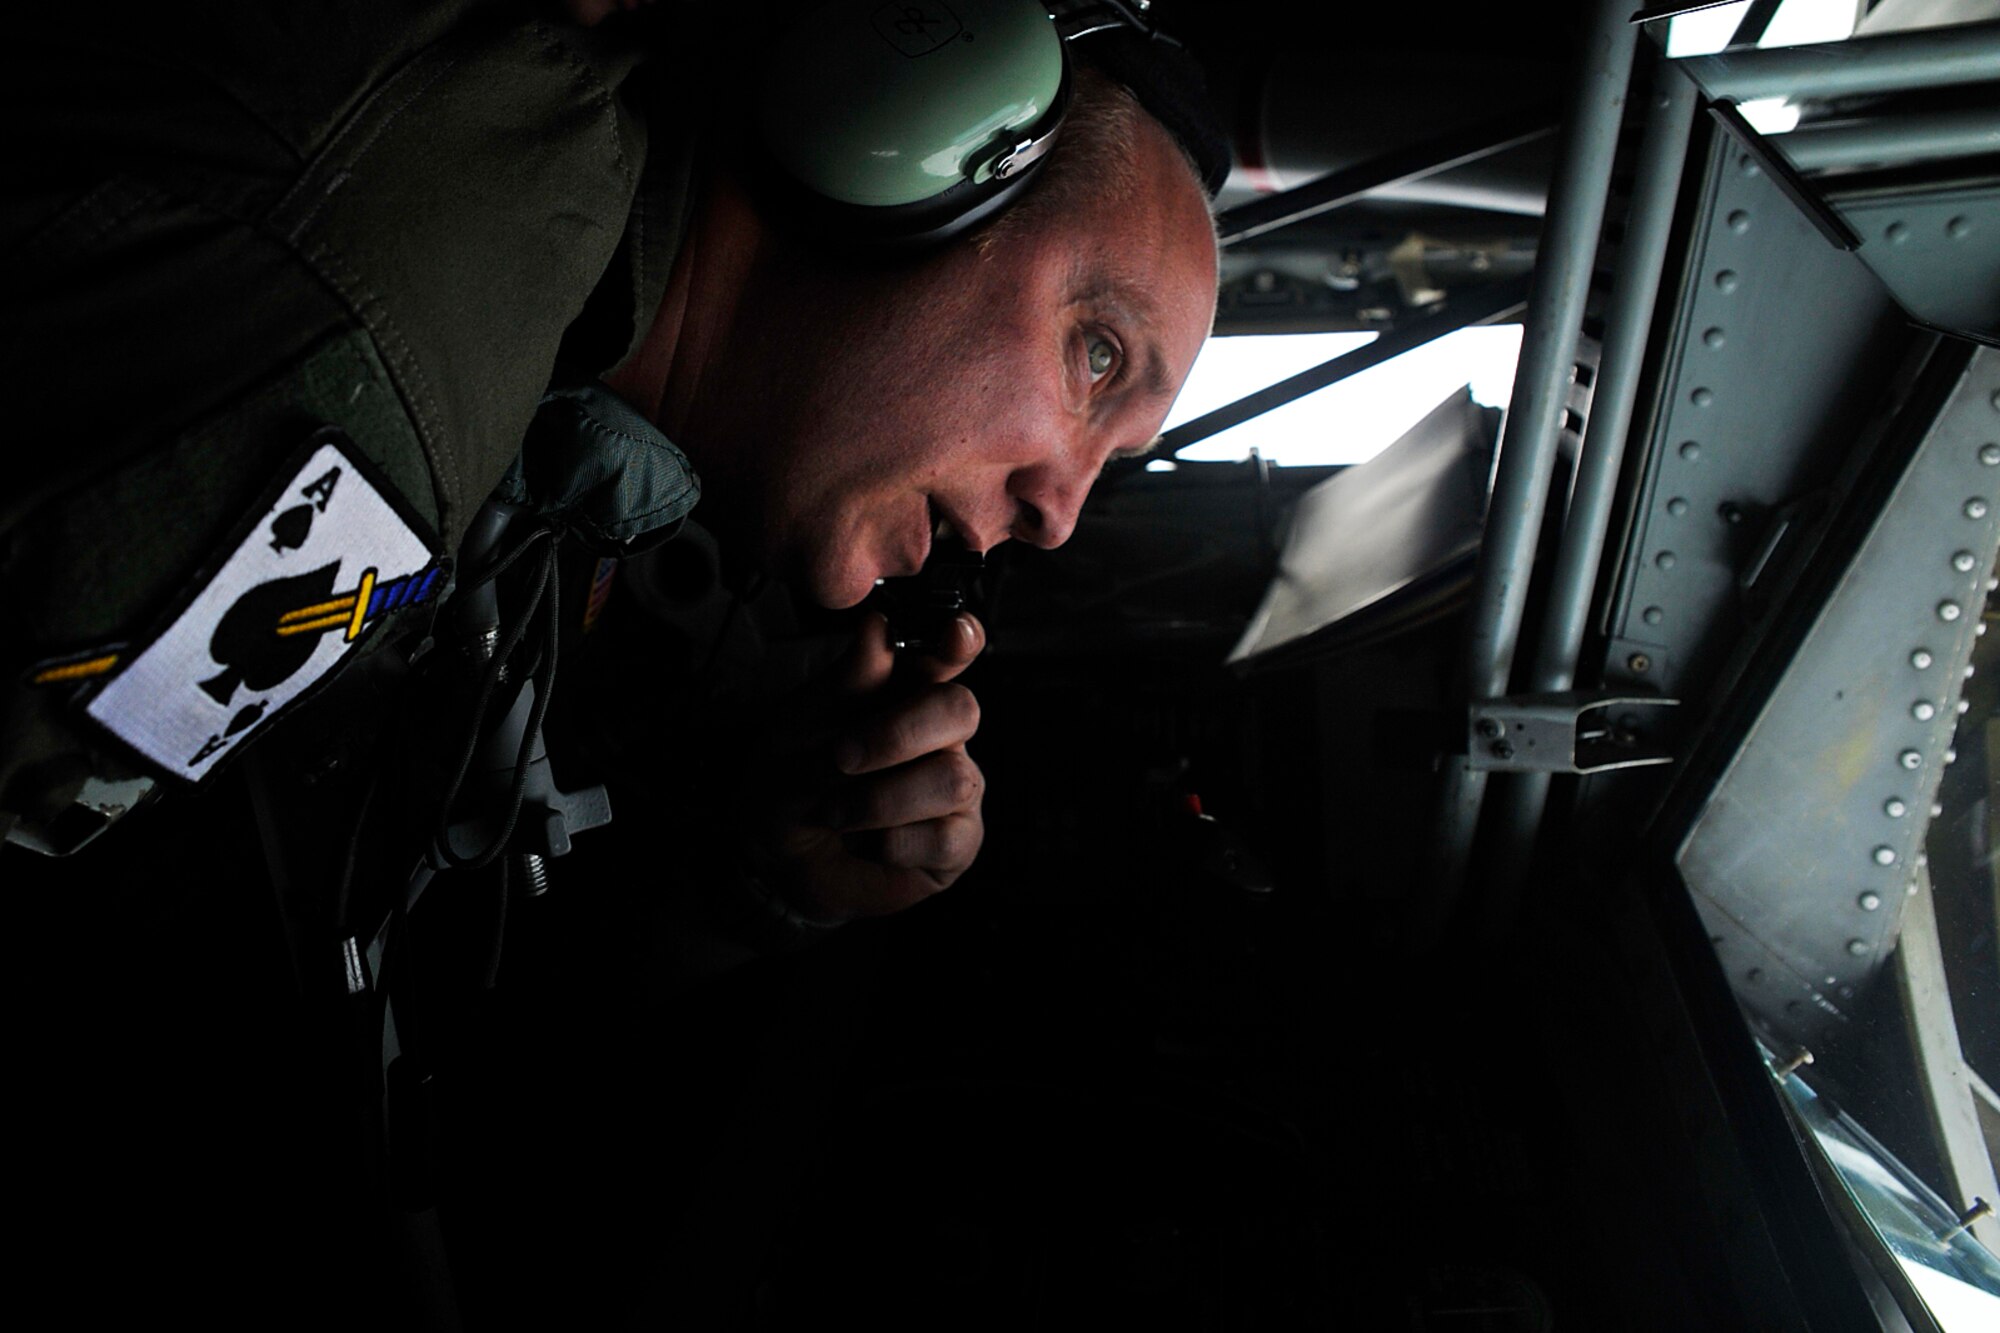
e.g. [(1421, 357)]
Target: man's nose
[(1047, 498)]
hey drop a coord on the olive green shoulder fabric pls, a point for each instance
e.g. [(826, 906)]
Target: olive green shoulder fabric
[(228, 224), (185, 226), (126, 539)]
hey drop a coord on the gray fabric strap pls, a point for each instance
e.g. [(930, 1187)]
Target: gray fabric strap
[(596, 466)]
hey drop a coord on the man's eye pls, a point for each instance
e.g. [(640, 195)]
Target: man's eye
[(1103, 355)]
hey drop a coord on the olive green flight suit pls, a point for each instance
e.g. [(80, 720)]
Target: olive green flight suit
[(224, 227), (228, 224)]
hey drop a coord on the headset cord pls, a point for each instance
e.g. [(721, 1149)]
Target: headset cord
[(544, 595), (394, 937)]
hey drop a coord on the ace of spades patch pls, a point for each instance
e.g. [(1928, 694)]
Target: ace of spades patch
[(331, 551)]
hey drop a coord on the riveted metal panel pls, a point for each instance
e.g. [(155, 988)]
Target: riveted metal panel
[(1939, 253), (1779, 353), (1802, 858)]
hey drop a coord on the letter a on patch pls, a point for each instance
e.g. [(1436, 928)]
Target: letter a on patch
[(282, 610)]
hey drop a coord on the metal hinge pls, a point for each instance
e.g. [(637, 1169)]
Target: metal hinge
[(1566, 732)]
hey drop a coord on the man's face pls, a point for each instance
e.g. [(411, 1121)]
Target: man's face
[(980, 392)]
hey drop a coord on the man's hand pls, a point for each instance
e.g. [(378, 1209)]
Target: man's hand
[(886, 813)]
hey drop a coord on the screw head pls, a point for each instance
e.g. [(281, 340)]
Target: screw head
[(1949, 611), (1690, 450), (1503, 749), (1951, 756), (1937, 810), (1702, 397), (1964, 706), (1958, 228), (1976, 507), (1730, 511), (1665, 560), (1857, 948), (1652, 615), (1923, 710), (1895, 807), (1910, 759), (1738, 220), (1714, 337), (1989, 454), (1897, 232), (1921, 659), (1726, 281), (1870, 901), (1639, 663), (1489, 728), (1677, 506), (1964, 561), (1885, 855)]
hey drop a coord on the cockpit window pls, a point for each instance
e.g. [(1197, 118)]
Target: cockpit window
[(1794, 23), (1347, 422), (1951, 1271)]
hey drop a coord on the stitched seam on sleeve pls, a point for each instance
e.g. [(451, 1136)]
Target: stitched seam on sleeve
[(368, 308), (317, 173), (601, 94)]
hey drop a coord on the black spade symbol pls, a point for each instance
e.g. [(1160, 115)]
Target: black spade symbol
[(246, 640), (289, 529), (245, 719)]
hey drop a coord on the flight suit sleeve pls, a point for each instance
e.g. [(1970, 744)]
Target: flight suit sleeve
[(237, 228)]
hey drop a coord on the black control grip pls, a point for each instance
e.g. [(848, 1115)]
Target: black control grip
[(922, 606)]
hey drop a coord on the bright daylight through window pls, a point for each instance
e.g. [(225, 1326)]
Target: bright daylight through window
[(1348, 422), (1357, 418)]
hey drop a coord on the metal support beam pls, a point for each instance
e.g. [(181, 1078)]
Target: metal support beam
[(1529, 434), (1892, 140), (1627, 321), (1566, 731), (1482, 305), (1922, 58), (1323, 194), (1786, 177)]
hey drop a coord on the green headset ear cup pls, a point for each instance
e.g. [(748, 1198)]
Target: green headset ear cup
[(888, 105)]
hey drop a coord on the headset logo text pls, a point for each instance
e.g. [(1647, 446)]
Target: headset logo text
[(917, 29)]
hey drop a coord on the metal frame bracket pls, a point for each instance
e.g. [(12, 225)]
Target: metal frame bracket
[(1568, 731)]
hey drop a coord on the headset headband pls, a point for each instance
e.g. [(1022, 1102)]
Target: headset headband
[(908, 122)]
